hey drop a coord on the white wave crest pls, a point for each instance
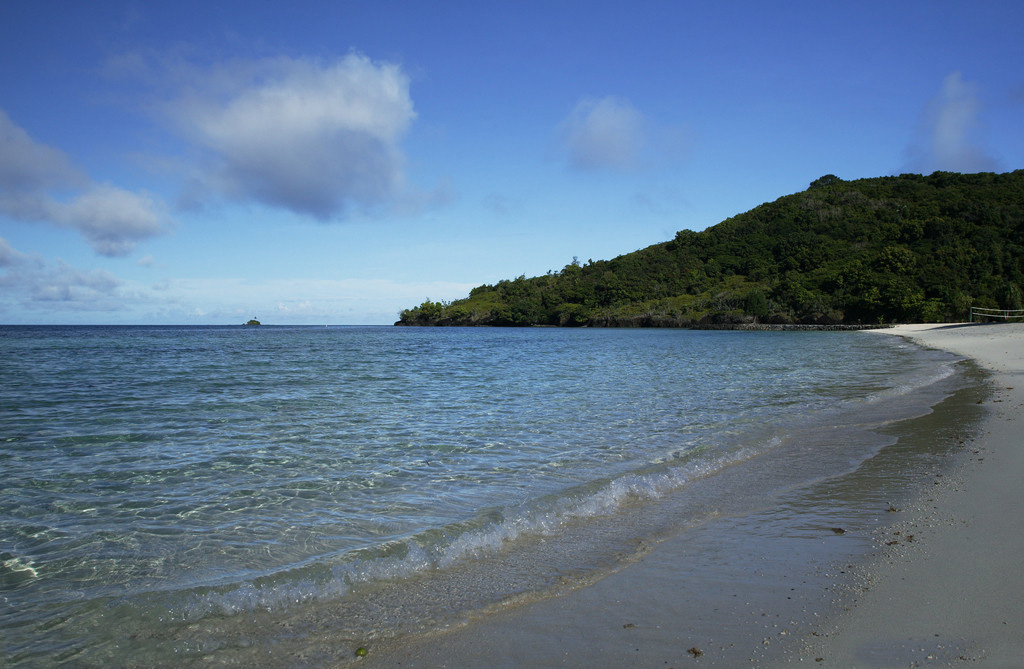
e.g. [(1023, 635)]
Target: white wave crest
[(937, 374), (20, 566), (415, 556)]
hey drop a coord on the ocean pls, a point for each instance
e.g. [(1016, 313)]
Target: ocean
[(286, 495)]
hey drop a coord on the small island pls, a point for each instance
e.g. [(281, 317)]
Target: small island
[(253, 321)]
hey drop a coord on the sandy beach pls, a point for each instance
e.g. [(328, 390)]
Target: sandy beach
[(956, 593), (839, 577)]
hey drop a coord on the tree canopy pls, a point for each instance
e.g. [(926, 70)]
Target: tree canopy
[(906, 248)]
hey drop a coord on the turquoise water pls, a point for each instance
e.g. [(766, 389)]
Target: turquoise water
[(176, 494)]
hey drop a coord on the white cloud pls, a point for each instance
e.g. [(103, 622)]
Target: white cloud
[(311, 137), (604, 134), (80, 288), (31, 283), (33, 176), (27, 166), (8, 255), (113, 220), (948, 137)]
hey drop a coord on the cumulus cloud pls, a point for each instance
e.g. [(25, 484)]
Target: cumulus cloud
[(72, 286), (315, 138), (9, 256), (34, 177), (27, 166), (948, 139), (113, 219), (604, 134), (30, 282)]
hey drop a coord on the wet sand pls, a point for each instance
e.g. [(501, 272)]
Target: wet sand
[(831, 577)]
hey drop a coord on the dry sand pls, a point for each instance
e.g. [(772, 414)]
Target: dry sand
[(769, 588)]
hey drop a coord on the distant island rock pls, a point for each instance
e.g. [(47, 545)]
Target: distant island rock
[(254, 322)]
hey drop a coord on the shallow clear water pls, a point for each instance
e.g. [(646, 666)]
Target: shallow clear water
[(162, 480)]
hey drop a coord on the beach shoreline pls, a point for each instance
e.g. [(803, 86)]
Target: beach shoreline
[(791, 590), (954, 594)]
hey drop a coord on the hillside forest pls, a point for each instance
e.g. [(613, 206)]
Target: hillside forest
[(908, 248)]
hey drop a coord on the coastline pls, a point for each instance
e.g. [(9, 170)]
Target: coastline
[(955, 593), (785, 589)]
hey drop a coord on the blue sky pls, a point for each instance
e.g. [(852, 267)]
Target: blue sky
[(335, 162)]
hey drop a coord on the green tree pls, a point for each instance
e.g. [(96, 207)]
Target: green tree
[(827, 180), (756, 304)]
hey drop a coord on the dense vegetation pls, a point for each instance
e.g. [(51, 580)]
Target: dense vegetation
[(908, 248)]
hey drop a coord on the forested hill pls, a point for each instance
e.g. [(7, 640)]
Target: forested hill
[(908, 248)]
